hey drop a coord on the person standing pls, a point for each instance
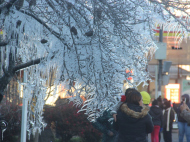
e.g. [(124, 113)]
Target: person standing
[(133, 121), (105, 127), (168, 121), (185, 112), (183, 127), (160, 104), (123, 99), (157, 118), (146, 101), (146, 98)]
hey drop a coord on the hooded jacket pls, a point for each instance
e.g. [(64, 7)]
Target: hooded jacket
[(133, 123), (157, 115), (177, 109), (104, 126)]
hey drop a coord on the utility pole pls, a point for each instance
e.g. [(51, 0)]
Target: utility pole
[(160, 55), (160, 65)]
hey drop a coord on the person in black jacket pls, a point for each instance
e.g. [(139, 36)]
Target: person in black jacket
[(133, 122), (160, 104), (168, 121), (157, 118), (184, 129)]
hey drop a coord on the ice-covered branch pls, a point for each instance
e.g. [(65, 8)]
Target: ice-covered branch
[(43, 24), (28, 64), (6, 4), (7, 76), (3, 43)]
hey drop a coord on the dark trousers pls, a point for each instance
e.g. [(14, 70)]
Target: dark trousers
[(167, 135)]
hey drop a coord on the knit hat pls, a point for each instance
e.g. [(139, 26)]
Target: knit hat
[(146, 97)]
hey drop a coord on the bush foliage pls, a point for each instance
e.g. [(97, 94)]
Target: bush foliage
[(11, 113), (67, 123)]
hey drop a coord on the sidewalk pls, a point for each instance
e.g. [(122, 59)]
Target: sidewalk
[(174, 136)]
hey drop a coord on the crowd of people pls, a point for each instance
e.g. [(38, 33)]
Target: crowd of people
[(134, 118)]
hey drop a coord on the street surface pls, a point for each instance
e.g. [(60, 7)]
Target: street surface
[(174, 137)]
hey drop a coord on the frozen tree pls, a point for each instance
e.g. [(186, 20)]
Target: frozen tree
[(88, 44)]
